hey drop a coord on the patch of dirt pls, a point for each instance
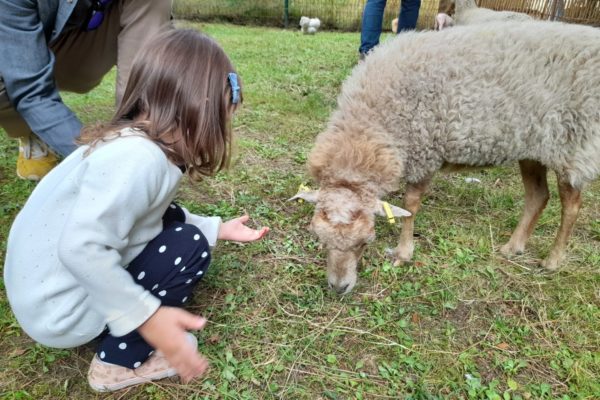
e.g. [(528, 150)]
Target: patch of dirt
[(460, 315), (486, 368)]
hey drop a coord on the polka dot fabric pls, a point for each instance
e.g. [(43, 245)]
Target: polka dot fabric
[(169, 267)]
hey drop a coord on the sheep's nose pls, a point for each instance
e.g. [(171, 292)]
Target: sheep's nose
[(339, 289)]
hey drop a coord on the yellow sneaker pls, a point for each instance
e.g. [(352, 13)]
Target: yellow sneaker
[(35, 159)]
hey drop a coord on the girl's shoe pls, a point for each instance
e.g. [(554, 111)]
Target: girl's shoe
[(105, 377)]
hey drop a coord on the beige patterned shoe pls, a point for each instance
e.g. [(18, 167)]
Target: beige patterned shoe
[(105, 377)]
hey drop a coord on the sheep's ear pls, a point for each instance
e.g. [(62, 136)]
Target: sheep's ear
[(394, 210), (308, 195)]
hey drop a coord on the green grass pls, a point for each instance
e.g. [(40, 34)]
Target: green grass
[(461, 322)]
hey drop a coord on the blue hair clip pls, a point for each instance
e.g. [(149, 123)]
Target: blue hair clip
[(235, 87)]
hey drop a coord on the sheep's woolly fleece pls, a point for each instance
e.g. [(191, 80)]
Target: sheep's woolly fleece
[(485, 94)]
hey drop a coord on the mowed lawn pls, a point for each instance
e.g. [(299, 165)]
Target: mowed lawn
[(461, 322)]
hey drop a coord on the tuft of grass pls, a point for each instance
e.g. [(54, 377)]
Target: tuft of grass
[(460, 322)]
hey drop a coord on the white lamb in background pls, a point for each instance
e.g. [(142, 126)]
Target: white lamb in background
[(443, 21), (309, 26), (467, 12)]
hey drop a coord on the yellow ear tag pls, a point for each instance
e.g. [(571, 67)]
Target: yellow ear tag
[(302, 188), (388, 212)]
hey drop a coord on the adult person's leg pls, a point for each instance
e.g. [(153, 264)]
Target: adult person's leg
[(83, 58), (10, 120), (372, 19), (409, 14)]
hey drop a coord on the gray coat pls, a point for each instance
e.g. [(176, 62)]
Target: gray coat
[(27, 28)]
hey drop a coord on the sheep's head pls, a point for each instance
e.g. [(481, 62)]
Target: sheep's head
[(344, 221)]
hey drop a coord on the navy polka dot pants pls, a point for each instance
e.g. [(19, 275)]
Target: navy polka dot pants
[(169, 267)]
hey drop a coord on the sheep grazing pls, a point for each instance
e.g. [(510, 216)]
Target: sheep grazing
[(467, 12), (309, 26), (443, 21), (498, 93)]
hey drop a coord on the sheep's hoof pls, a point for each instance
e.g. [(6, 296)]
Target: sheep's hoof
[(509, 250), (398, 260), (404, 256), (551, 263)]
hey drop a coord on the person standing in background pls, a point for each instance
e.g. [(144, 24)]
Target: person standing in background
[(372, 20)]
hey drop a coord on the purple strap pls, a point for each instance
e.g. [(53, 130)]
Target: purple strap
[(97, 16)]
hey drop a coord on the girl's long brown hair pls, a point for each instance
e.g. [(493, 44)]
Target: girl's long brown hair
[(178, 94)]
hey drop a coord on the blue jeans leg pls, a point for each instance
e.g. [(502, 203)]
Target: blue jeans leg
[(372, 19), (409, 13)]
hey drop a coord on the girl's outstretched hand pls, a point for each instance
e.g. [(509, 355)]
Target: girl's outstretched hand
[(236, 230), (166, 330)]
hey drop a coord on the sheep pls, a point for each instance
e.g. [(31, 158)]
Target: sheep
[(498, 93), (467, 12), (443, 21), (309, 25)]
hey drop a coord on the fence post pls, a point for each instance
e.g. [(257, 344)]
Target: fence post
[(286, 13), (558, 10)]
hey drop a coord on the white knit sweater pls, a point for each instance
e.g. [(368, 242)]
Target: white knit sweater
[(84, 222)]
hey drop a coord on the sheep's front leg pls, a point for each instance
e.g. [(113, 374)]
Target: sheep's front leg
[(570, 199), (536, 198), (412, 203)]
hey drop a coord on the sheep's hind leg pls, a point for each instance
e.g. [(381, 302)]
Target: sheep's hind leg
[(570, 199), (412, 203), (536, 198)]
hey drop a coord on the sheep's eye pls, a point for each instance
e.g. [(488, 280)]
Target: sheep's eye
[(323, 215)]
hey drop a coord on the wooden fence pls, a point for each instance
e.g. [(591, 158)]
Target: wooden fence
[(346, 14), (334, 14), (576, 11)]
